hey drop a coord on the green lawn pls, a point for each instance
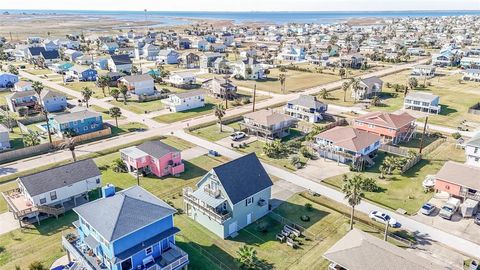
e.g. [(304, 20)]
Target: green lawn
[(3, 95), (139, 107), (455, 97), (129, 127), (405, 191), (39, 71), (105, 113), (180, 116), (97, 91), (211, 133)]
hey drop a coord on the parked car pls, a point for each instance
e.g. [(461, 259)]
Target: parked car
[(68, 79), (238, 135), (383, 218), (477, 219), (450, 208), (427, 209)]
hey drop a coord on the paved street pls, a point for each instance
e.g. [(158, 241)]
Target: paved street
[(426, 232)]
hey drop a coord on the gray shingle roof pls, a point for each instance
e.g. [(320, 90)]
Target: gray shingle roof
[(475, 141), (189, 93), (75, 116), (307, 101), (157, 149), (125, 212), (58, 177), (243, 177), (121, 59)]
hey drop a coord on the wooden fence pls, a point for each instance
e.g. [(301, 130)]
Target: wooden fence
[(411, 162), (395, 150)]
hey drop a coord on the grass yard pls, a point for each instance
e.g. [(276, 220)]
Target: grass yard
[(104, 112), (3, 203), (139, 107), (129, 127), (39, 71), (97, 91), (180, 116), (211, 133), (3, 95), (406, 191)]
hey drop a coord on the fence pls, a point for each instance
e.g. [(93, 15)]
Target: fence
[(203, 252), (394, 150), (25, 152), (434, 145), (411, 162)]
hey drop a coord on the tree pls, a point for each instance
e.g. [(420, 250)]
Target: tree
[(70, 144), (103, 81), (12, 69), (282, 77), (87, 94), (31, 138), (38, 88), (375, 101), (115, 112), (342, 72), (247, 257), (324, 93), (115, 93), (354, 188), (345, 86), (219, 113), (391, 163), (412, 82), (36, 266), (355, 87), (124, 91)]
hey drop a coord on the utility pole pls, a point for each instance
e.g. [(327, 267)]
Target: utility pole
[(423, 135), (254, 96)]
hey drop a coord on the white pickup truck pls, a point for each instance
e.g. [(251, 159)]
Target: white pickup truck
[(450, 208)]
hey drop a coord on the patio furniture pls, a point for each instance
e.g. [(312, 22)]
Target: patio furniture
[(291, 243), (292, 230), (281, 237)]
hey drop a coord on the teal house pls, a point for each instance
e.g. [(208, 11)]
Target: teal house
[(230, 196)]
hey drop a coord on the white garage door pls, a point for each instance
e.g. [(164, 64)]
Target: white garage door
[(232, 228)]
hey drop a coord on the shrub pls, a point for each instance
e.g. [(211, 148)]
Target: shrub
[(306, 153), (309, 207), (305, 218), (294, 160), (456, 135)]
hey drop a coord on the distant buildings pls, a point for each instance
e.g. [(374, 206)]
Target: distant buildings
[(7, 80)]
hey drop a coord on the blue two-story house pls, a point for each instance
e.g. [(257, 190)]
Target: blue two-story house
[(77, 123), (53, 101), (83, 73), (128, 230)]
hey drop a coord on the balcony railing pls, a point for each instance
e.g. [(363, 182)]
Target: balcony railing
[(218, 217), (73, 249), (180, 260), (470, 195)]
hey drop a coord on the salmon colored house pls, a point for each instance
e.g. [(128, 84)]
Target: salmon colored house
[(459, 180), (154, 157), (393, 128)]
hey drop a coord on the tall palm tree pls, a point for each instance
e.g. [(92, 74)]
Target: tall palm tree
[(354, 188), (115, 112), (31, 138), (103, 81), (282, 77), (87, 94), (345, 86), (219, 113), (38, 88), (124, 91), (355, 87), (324, 93), (70, 144), (115, 93)]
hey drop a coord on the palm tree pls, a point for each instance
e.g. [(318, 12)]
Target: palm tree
[(345, 86), (282, 79), (36, 266), (354, 188), (355, 87), (220, 113), (103, 82), (115, 93), (38, 88), (324, 93), (342, 72), (70, 145), (390, 162), (31, 138), (87, 94), (247, 257), (115, 112), (124, 91), (375, 101)]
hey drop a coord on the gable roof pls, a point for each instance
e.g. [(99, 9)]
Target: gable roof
[(36, 51), (371, 81), (74, 116), (58, 177), (307, 101), (462, 174), (121, 59), (243, 177), (388, 120), (475, 141), (50, 54), (156, 149), (349, 138), (358, 250), (137, 78), (268, 117), (21, 94), (190, 93), (125, 212), (51, 94)]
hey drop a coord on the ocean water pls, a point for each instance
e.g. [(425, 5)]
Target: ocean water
[(320, 17)]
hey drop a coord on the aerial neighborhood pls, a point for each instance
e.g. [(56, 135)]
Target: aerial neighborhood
[(127, 144)]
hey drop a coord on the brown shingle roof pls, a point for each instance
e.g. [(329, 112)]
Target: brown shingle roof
[(462, 174), (388, 120), (349, 138), (358, 250), (268, 117)]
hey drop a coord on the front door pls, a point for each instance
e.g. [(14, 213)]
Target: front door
[(232, 228), (249, 218)]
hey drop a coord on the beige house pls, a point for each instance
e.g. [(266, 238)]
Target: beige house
[(268, 123)]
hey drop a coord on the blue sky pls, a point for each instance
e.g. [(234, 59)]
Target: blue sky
[(245, 5)]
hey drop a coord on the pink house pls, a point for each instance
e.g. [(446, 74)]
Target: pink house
[(154, 157)]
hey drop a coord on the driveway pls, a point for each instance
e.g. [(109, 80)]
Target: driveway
[(320, 169), (227, 142), (8, 223), (191, 153), (282, 190), (459, 226)]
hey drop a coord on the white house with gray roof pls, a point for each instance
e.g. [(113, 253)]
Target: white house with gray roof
[(230, 196), (472, 151), (59, 188), (367, 88), (422, 101), (306, 108), (188, 100)]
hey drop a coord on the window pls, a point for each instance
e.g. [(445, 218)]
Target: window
[(53, 195), (97, 180), (127, 264), (148, 251), (85, 128), (248, 201), (476, 150), (43, 200)]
